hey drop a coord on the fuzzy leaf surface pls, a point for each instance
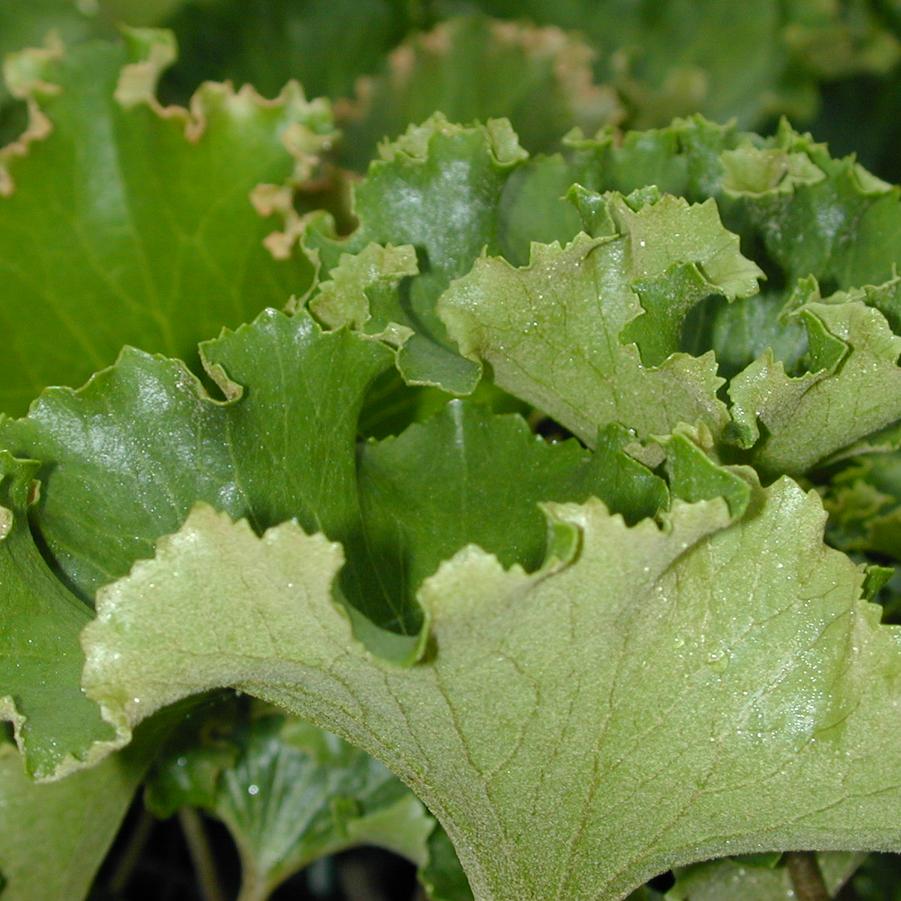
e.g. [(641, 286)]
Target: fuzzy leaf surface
[(714, 687)]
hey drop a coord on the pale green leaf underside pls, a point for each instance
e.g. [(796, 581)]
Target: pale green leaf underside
[(669, 695)]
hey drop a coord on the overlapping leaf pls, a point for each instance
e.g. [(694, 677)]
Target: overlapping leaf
[(439, 189), (39, 653), (640, 685), (853, 387), (589, 333), (864, 502), (53, 838), (801, 211), (127, 223), (713, 880), (125, 458), (674, 58)]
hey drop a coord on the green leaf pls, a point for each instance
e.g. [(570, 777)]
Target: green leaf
[(683, 56), (124, 459), (844, 227), (129, 223), (54, 837), (30, 25), (713, 687), (864, 504), (682, 158), (796, 209), (695, 477), (40, 655), (718, 879), (810, 214), (325, 44), (470, 477), (853, 387), (288, 793), (437, 188), (556, 332), (475, 68), (142, 441), (442, 877)]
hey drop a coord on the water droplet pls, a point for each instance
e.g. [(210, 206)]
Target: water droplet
[(253, 790)]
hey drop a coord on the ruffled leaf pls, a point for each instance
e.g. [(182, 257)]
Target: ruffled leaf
[(559, 332), (653, 670), (125, 458), (125, 222), (852, 388)]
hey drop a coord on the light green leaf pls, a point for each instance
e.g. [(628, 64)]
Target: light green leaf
[(288, 793), (362, 292), (668, 695), (810, 213), (129, 223), (751, 171), (556, 332), (852, 388), (475, 68)]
